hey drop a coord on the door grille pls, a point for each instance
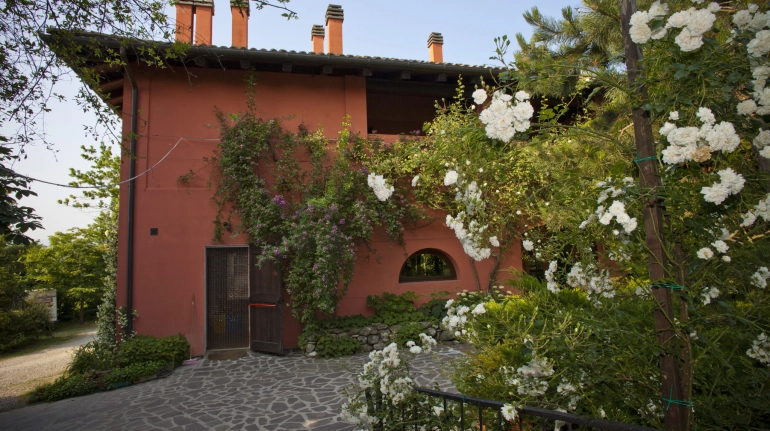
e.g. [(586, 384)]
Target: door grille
[(227, 297)]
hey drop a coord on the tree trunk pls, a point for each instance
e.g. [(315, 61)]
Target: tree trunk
[(82, 320), (671, 384)]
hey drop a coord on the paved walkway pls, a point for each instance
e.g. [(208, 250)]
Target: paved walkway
[(257, 392), (23, 373)]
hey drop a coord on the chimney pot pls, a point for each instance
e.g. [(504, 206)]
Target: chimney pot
[(436, 47), (197, 15), (317, 37), (240, 11), (334, 17)]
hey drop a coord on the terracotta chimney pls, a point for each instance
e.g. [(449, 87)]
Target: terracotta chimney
[(194, 16), (436, 47), (204, 13), (184, 22), (240, 11), (334, 17), (317, 36)]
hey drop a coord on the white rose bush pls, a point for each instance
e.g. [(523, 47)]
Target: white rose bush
[(546, 163)]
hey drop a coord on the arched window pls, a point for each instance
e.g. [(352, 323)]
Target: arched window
[(427, 265)]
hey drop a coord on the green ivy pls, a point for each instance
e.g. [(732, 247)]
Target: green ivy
[(310, 221)]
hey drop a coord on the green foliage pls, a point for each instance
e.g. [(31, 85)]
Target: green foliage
[(131, 373), (312, 221), (24, 325), (92, 356), (408, 332), (15, 220), (327, 346), (391, 303), (143, 348), (73, 264), (66, 386)]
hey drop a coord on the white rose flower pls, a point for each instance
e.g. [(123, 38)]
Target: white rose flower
[(667, 128), (639, 18), (640, 33), (679, 19), (688, 42), (705, 253), (721, 246), (760, 45), (673, 115), (522, 96), (658, 10), (493, 240), (450, 178), (765, 152), (415, 180), (528, 245), (479, 96), (742, 18), (747, 107), (714, 7), (762, 139)]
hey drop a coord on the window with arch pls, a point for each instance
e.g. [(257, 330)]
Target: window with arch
[(427, 265)]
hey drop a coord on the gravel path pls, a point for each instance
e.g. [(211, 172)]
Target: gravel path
[(23, 373)]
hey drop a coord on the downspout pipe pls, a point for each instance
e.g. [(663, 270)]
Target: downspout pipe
[(130, 210)]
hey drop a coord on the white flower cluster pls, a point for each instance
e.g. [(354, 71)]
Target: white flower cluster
[(761, 209), (759, 104), (503, 118), (617, 209), (381, 189), (551, 284), (731, 183), (693, 22), (426, 344), (357, 415), (760, 350), (760, 277), (708, 294), (640, 32), (457, 317), (752, 20), (596, 282), (527, 378), (471, 238), (566, 388), (706, 253), (697, 144)]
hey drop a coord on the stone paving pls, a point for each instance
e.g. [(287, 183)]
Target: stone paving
[(256, 392)]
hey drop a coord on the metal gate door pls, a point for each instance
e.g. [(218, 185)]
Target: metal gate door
[(227, 298), (266, 308)]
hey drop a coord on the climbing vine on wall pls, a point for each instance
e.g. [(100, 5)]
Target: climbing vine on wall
[(312, 216)]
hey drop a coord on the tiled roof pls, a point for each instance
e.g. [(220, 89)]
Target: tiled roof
[(298, 57)]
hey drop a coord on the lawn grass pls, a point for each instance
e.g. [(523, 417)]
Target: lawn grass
[(64, 332)]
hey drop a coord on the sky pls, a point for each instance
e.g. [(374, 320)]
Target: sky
[(393, 28)]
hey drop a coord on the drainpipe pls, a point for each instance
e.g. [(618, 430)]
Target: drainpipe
[(131, 175)]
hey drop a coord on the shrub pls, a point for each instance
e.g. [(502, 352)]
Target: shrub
[(145, 348), (92, 356), (132, 373), (327, 346), (66, 386), (22, 326), (408, 332)]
